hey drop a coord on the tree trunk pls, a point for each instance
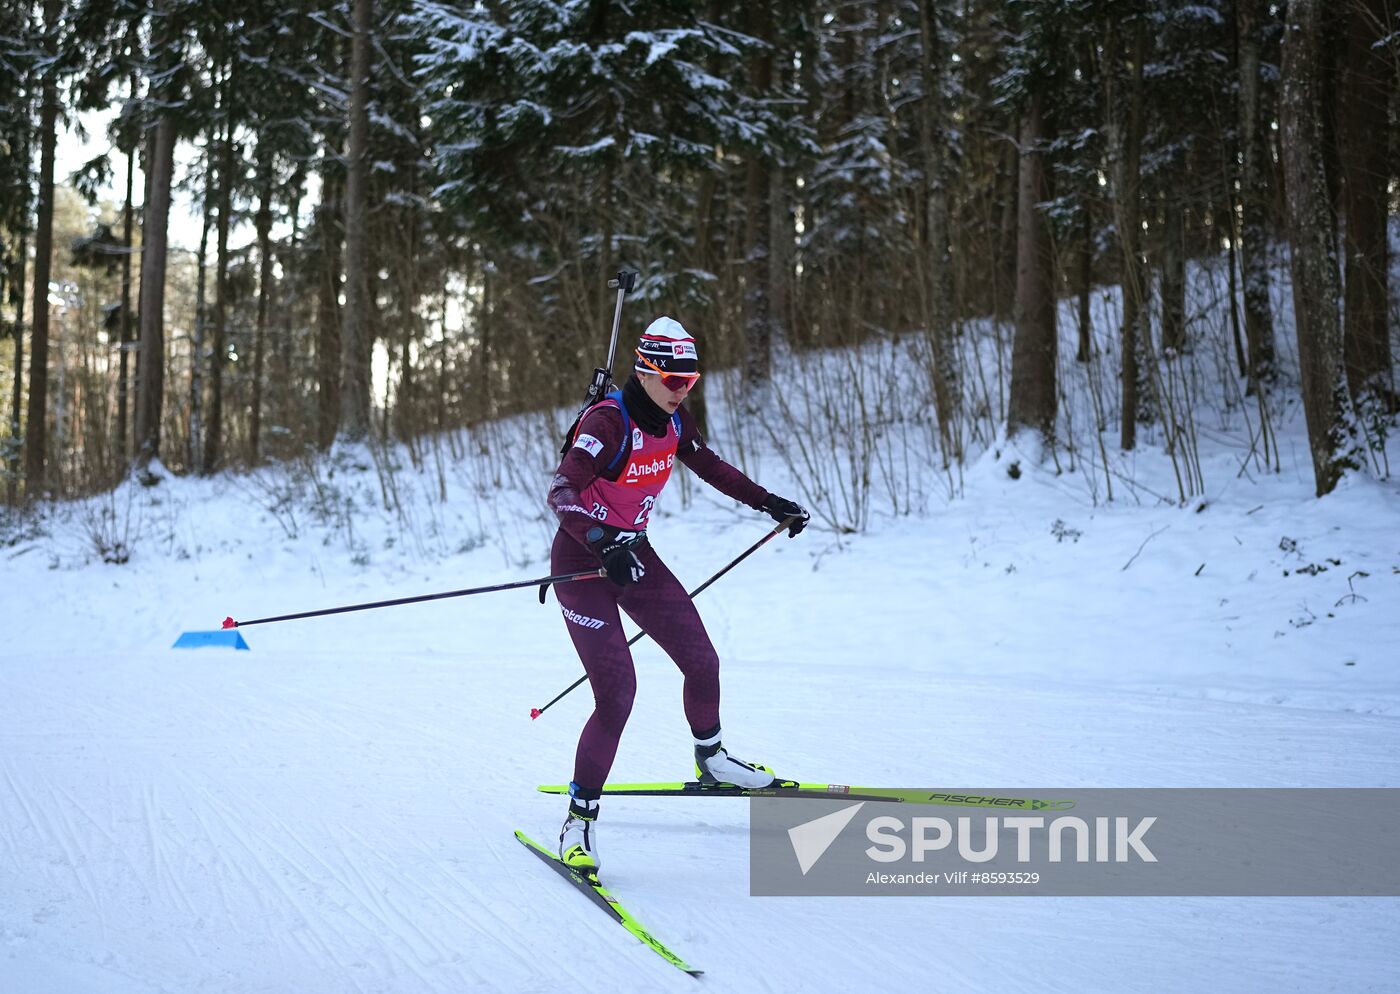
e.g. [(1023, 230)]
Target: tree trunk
[(810, 280), (701, 260), (485, 346), (356, 342), (18, 298), (605, 252), (403, 402), (375, 246), (782, 234), (1004, 280), (1254, 199), (328, 308), (1231, 257), (1366, 174), (758, 291), (1173, 257), (36, 428), (200, 319), (143, 158), (218, 356), (17, 387), (1033, 353), (150, 363), (938, 256), (1316, 281), (285, 399), (700, 256), (1133, 282), (1085, 252), (264, 229), (124, 352)]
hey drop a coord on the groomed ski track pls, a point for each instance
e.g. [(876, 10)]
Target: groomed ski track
[(324, 822)]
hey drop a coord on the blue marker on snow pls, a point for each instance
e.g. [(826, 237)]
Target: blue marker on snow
[(232, 638)]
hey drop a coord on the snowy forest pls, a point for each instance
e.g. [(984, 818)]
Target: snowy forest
[(408, 213)]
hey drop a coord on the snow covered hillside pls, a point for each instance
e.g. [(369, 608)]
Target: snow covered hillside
[(333, 811)]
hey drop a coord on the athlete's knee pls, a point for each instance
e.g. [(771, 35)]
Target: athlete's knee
[(699, 662), (612, 703)]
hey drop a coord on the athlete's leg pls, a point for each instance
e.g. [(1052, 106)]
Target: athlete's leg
[(590, 614), (661, 606)]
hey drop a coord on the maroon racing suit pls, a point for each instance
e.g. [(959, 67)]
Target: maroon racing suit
[(658, 602)]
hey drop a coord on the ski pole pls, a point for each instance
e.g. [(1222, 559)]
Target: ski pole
[(536, 712), (562, 578)]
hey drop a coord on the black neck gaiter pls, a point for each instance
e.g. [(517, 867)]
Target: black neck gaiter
[(649, 417)]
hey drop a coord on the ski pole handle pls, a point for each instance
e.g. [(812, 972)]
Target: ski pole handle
[(562, 578)]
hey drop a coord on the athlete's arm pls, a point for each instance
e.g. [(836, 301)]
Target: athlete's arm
[(598, 441), (706, 464)]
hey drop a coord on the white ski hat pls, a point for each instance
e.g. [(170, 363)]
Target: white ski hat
[(666, 347)]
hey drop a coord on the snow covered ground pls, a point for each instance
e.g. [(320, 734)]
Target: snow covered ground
[(333, 810)]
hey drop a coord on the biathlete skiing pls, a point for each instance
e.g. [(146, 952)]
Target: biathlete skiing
[(621, 456)]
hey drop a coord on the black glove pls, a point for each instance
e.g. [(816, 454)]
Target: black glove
[(618, 552), (780, 509)]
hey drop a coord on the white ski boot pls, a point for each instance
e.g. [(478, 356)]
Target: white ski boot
[(714, 765), (578, 839)]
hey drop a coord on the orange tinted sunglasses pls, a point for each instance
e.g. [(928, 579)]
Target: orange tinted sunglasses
[(675, 382)]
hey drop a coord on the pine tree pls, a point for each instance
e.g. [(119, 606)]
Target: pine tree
[(568, 136)]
